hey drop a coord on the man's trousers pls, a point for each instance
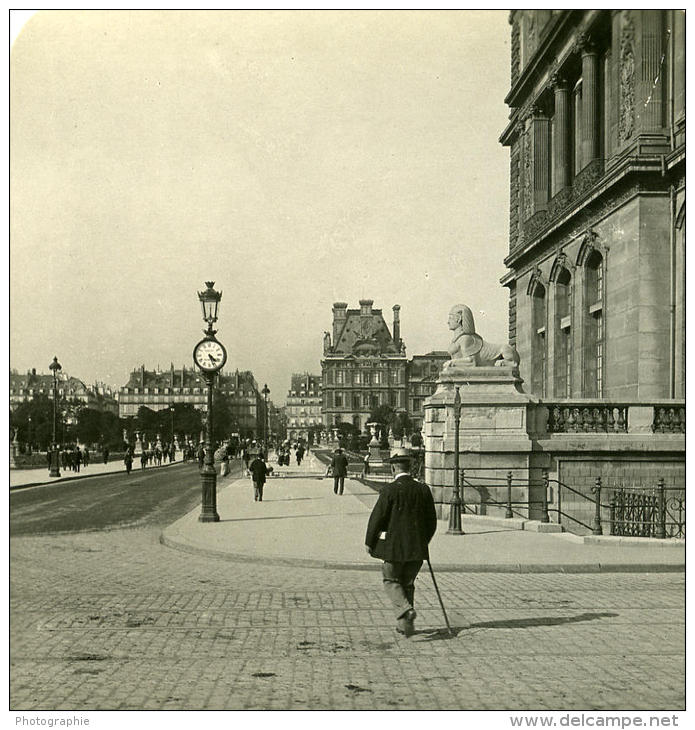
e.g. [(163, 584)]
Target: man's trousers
[(399, 582), (338, 484)]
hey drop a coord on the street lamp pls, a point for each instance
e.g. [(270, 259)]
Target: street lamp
[(265, 391), (210, 356), (455, 507), (171, 410), (55, 366)]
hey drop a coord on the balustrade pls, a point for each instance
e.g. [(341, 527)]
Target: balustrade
[(669, 419), (580, 418)]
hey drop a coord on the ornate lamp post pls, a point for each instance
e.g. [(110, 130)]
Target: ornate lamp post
[(55, 366), (455, 508), (265, 391), (210, 356), (171, 411)]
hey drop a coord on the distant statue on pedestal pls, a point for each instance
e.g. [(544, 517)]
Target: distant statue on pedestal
[(469, 350)]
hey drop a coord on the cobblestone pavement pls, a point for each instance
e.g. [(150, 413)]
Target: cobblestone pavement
[(115, 620)]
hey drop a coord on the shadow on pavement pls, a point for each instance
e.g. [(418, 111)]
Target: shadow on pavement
[(521, 623)]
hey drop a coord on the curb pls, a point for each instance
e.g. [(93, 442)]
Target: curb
[(85, 476), (569, 568)]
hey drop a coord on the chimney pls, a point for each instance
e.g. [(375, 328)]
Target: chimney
[(339, 317), (366, 307), (142, 376), (397, 325), (171, 377)]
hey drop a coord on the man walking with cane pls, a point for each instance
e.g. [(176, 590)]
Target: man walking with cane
[(400, 528)]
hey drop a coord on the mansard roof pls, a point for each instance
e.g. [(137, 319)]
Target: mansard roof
[(364, 335)]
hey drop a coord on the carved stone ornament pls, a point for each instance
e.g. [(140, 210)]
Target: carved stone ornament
[(469, 350), (626, 120)]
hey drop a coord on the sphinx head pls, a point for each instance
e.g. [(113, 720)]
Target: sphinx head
[(461, 316)]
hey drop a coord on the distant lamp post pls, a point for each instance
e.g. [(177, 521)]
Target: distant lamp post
[(455, 507), (210, 356), (266, 392), (29, 435), (55, 366), (171, 410)]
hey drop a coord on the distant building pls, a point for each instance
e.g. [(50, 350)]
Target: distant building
[(303, 405), (158, 389), (363, 366), (24, 387), (597, 202), (422, 373)]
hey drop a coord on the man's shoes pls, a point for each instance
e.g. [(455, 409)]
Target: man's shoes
[(405, 623)]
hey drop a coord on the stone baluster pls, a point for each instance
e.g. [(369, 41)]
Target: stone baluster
[(622, 421), (610, 419)]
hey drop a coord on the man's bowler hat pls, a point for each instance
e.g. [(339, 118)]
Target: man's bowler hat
[(400, 456)]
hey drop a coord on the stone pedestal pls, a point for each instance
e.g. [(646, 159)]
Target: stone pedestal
[(493, 441), (138, 445)]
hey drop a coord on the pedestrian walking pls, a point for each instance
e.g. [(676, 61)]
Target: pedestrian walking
[(338, 468), (128, 460), (401, 525), (143, 460), (76, 459), (106, 454), (85, 457), (259, 471), (365, 466), (299, 454), (201, 456)]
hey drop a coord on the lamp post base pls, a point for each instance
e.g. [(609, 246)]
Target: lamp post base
[(209, 486), (455, 516), (55, 463)]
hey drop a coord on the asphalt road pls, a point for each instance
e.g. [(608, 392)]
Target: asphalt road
[(154, 497)]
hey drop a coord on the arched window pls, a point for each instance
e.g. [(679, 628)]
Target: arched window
[(593, 327), (563, 334), (539, 344)]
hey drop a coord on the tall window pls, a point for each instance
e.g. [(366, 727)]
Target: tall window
[(356, 401), (539, 349), (593, 334), (563, 335)]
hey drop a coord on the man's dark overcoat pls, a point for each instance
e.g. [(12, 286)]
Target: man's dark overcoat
[(405, 512), (258, 470), (339, 465)]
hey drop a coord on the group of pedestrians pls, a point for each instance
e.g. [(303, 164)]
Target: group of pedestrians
[(72, 457), (149, 457)]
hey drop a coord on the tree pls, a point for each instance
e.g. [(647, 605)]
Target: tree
[(383, 415), (402, 425), (38, 430)]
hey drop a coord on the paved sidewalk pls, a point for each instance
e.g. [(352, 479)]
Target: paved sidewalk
[(35, 477), (301, 522)]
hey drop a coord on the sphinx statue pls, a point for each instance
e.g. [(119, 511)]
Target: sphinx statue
[(468, 349)]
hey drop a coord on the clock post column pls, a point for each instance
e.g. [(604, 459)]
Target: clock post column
[(208, 474)]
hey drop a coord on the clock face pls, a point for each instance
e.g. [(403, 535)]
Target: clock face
[(209, 355)]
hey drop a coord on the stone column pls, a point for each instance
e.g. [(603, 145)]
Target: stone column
[(650, 94), (590, 126), (539, 139), (561, 133)]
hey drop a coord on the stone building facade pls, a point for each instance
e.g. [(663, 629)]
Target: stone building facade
[(364, 365), (422, 373), (158, 389), (303, 405), (597, 202), (24, 386)]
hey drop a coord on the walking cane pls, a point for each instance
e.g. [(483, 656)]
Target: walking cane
[(441, 603)]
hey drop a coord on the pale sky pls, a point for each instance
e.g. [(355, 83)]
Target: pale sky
[(295, 158)]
